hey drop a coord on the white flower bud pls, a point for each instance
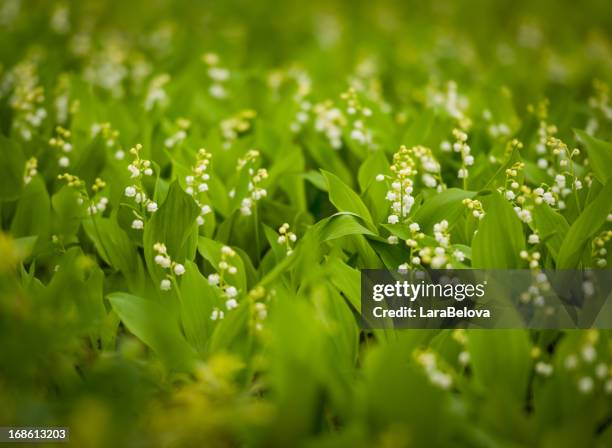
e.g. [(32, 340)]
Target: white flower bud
[(137, 224), (130, 192), (213, 279)]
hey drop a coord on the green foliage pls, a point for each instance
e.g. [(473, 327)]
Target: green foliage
[(188, 192), (499, 240)]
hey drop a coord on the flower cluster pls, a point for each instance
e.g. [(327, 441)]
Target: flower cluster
[(449, 100), (259, 308), (217, 74), (139, 168), (427, 359), (182, 126), (540, 286), (286, 238), (330, 121), (95, 204), (358, 114), (27, 99), (30, 170), (301, 117), (464, 149), (61, 103), (566, 161), (542, 368), (495, 130), (598, 248), (303, 88), (511, 188), (156, 93), (220, 279), (545, 131), (171, 268), (257, 176), (590, 366), (413, 245), (443, 255), (599, 102), (106, 67), (197, 184), (62, 142), (460, 336), (235, 126), (400, 185), (475, 206), (110, 137), (430, 167)]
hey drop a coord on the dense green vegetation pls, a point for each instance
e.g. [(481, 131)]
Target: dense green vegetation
[(188, 192)]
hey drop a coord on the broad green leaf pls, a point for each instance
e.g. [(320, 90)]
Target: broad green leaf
[(174, 225), (211, 251), (33, 210), (551, 226), (345, 199), (346, 279), (116, 249), (587, 224), (501, 361), (500, 239), (12, 166), (155, 326), (445, 205), (600, 155), (340, 225), (232, 329), (198, 298), (375, 164), (373, 191), (316, 179)]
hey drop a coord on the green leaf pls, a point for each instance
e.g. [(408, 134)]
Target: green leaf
[(153, 325), (211, 250), (231, 330), (316, 179), (12, 165), (587, 224), (116, 248), (174, 225), (341, 224), (445, 205), (501, 361), (600, 155), (346, 279), (345, 199), (499, 240), (375, 164), (33, 210), (551, 226), (198, 300)]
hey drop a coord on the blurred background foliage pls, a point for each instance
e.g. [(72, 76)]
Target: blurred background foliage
[(88, 341)]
